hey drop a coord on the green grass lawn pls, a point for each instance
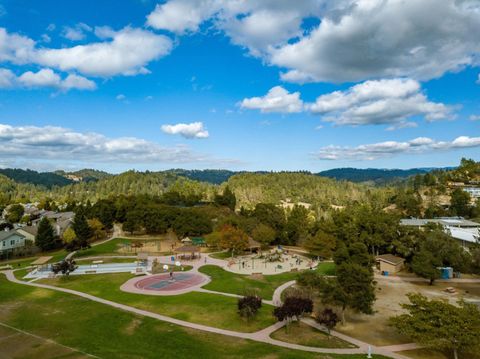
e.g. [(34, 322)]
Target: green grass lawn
[(107, 248), (204, 308), (221, 255), (112, 333), (227, 282), (303, 334)]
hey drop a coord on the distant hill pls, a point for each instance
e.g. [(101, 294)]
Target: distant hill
[(209, 176), (372, 174), (46, 179), (85, 175)]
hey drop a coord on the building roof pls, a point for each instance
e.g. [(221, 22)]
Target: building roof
[(187, 249), (471, 235), (6, 234), (390, 258), (29, 229), (445, 221), (253, 243)]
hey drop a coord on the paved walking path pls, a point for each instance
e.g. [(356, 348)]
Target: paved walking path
[(260, 336), (418, 279)]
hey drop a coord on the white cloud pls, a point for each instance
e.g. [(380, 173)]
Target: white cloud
[(76, 33), (61, 144), (51, 27), (276, 100), (7, 78), (120, 97), (45, 38), (478, 79), (44, 78), (390, 101), (391, 148), (354, 40), (187, 130), (182, 16), (471, 118), (73, 81), (126, 53)]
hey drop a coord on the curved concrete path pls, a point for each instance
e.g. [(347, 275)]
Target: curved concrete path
[(260, 336)]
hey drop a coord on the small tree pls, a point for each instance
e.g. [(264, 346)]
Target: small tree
[(440, 325), (293, 308), (321, 244), (424, 264), (248, 306), (69, 235), (327, 318), (97, 228), (46, 238), (15, 213), (264, 234), (65, 267)]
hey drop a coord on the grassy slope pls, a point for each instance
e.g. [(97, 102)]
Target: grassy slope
[(303, 334), (223, 281), (111, 333), (209, 309)]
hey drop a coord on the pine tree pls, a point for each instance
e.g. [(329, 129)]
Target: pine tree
[(82, 230), (46, 238)]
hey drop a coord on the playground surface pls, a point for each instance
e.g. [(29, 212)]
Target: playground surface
[(166, 283)]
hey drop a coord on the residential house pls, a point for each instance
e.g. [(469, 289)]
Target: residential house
[(11, 242)]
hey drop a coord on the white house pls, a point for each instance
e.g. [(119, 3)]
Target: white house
[(11, 242)]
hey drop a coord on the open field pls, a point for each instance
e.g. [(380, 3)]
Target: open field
[(224, 281), (110, 333), (303, 334), (390, 294), (204, 308)]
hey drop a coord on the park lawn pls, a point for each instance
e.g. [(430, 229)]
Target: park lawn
[(228, 282), (57, 255), (108, 248), (108, 332), (221, 255), (304, 334), (203, 308)]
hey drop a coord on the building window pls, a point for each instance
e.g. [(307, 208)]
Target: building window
[(12, 242)]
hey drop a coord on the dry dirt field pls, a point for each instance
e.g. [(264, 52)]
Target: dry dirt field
[(390, 294)]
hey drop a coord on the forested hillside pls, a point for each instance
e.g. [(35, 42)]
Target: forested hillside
[(379, 176), (252, 188), (47, 179)]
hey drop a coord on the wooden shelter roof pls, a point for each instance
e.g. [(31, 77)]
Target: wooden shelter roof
[(187, 249)]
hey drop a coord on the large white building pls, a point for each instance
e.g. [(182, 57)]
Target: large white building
[(459, 228)]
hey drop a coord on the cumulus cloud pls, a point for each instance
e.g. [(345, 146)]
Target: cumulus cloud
[(44, 78), (276, 100), (390, 101), (182, 16), (58, 143), (187, 130), (120, 97), (391, 148), (352, 40), (77, 32), (125, 52), (471, 118)]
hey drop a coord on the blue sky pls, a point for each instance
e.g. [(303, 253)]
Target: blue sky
[(271, 85)]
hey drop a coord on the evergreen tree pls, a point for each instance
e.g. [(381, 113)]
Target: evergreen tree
[(46, 238), (82, 230)]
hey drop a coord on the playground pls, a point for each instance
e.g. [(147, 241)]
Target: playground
[(165, 284), (268, 263)]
